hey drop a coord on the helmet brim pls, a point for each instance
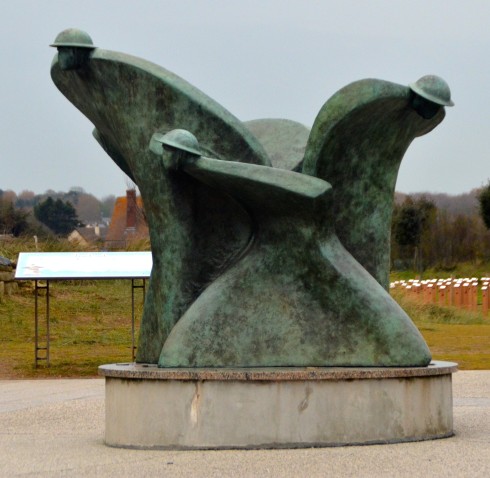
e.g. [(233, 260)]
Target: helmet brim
[(415, 88), (173, 144), (72, 45)]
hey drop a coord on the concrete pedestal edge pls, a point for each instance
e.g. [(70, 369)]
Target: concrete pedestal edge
[(152, 408)]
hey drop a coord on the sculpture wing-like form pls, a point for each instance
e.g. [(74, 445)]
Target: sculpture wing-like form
[(356, 144), (128, 99), (297, 298), (195, 231)]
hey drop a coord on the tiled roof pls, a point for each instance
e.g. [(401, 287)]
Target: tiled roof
[(87, 233)]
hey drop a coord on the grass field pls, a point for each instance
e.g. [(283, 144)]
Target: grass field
[(452, 334), (91, 325)]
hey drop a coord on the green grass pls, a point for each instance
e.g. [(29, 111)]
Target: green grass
[(90, 320), (455, 335), (464, 269), (10, 248), (90, 324)]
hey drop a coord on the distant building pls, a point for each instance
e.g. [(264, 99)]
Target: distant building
[(128, 222), (89, 235)]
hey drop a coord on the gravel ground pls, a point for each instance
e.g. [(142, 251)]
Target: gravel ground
[(55, 428)]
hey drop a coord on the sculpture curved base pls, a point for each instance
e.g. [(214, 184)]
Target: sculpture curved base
[(148, 407)]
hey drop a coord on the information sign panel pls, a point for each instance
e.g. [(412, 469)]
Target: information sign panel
[(83, 265)]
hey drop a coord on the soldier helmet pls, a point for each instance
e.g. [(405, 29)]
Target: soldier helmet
[(180, 139), (434, 89), (73, 38)]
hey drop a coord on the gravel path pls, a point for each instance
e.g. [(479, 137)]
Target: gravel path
[(54, 428)]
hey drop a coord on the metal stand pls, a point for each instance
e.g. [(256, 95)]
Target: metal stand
[(133, 339), (38, 349), (45, 266)]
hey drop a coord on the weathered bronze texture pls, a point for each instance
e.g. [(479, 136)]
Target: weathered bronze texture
[(248, 268), (357, 143)]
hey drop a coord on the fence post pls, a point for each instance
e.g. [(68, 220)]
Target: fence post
[(465, 296), (484, 300), (456, 295), (451, 285), (442, 295), (474, 296), (429, 293)]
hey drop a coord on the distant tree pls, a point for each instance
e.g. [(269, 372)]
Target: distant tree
[(464, 238), (12, 221), (88, 208), (410, 224), (107, 205), (453, 231), (25, 199), (9, 195), (410, 219), (484, 200), (59, 216)]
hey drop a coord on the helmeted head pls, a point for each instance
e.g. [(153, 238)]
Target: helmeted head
[(429, 94), (433, 88), (74, 48), (182, 140), (74, 38), (180, 143)]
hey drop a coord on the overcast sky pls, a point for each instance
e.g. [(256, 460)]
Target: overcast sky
[(259, 59)]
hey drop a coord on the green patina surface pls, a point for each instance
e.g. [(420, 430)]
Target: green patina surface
[(357, 143), (297, 298), (194, 230), (248, 268)]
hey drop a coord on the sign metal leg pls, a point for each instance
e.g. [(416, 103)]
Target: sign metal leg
[(133, 334), (37, 348)]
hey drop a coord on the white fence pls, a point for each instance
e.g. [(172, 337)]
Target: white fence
[(467, 293)]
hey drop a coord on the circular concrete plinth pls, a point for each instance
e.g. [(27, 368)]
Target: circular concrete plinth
[(148, 407)]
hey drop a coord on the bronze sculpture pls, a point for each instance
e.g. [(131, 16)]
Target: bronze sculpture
[(248, 266)]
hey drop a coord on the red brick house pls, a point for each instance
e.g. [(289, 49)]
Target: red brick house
[(128, 222)]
